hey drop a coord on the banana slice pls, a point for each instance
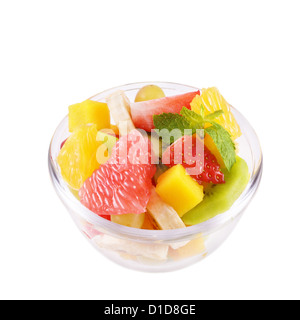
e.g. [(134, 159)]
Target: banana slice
[(119, 106), (164, 215), (151, 251)]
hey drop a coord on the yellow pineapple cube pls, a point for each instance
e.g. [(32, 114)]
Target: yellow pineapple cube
[(89, 112), (179, 190)]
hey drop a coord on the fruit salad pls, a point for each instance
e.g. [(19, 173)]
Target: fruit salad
[(156, 163)]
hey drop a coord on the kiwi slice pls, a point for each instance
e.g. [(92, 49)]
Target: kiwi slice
[(220, 197)]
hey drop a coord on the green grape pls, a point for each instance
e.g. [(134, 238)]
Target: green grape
[(150, 92)]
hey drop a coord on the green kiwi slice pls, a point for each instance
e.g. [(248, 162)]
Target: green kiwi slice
[(220, 198)]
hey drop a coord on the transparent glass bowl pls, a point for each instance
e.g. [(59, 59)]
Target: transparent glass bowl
[(157, 251)]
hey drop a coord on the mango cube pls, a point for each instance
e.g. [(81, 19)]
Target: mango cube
[(89, 112), (179, 190)]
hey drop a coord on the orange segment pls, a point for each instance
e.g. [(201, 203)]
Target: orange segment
[(212, 100), (77, 158)]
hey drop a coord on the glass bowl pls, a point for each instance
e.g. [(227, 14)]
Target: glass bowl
[(157, 250)]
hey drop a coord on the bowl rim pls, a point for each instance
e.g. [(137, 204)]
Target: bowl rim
[(147, 236)]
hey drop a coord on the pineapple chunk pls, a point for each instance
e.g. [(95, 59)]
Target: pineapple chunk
[(129, 220), (179, 190), (163, 215), (89, 112), (193, 248)]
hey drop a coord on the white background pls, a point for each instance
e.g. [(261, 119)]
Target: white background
[(56, 53)]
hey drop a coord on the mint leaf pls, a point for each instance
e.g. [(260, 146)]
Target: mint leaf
[(167, 122), (194, 119), (170, 121), (223, 142), (171, 127)]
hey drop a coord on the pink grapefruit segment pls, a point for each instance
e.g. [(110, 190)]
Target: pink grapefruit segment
[(142, 112), (120, 186)]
